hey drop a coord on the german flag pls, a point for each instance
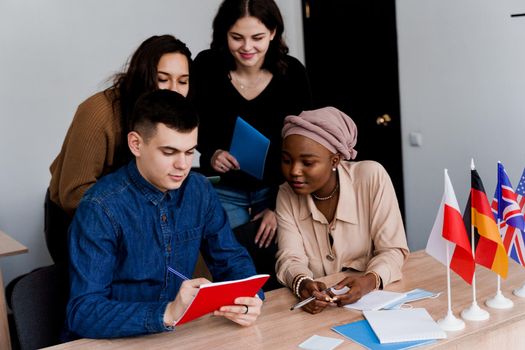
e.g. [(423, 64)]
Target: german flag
[(489, 249)]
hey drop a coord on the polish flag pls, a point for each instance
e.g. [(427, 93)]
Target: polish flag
[(449, 228)]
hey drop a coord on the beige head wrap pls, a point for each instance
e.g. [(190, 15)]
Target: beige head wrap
[(328, 126)]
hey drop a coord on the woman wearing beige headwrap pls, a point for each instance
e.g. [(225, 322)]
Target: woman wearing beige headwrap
[(334, 215)]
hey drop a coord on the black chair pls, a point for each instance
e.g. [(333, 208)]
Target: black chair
[(38, 302), (263, 258), (56, 225)]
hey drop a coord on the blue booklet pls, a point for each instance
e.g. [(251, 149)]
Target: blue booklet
[(250, 148), (361, 333)]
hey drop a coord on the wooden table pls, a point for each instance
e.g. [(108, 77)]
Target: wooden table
[(8, 246), (280, 328)]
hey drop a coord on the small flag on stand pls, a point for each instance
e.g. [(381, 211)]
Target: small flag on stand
[(449, 226), (489, 249), (508, 209)]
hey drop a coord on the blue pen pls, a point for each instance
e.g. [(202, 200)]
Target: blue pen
[(177, 273)]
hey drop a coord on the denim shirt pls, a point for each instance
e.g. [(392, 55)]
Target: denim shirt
[(124, 235)]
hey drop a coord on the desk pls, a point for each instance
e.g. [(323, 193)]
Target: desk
[(8, 246), (280, 328)]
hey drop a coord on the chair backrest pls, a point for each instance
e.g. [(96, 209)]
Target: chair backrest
[(38, 303), (56, 225)]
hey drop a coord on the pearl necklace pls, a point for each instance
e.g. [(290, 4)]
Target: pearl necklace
[(330, 196)]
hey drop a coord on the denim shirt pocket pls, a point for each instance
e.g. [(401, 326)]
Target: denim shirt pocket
[(186, 245)]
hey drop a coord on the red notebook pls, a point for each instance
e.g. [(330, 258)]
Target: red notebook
[(212, 296)]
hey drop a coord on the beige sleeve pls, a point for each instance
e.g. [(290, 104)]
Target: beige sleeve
[(386, 227), (291, 256)]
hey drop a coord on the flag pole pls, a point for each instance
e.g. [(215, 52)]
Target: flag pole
[(474, 312), (519, 292), (450, 322), (499, 301)]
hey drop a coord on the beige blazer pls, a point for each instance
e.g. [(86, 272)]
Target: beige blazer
[(368, 230)]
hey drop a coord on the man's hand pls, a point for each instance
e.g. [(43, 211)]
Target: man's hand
[(244, 312), (187, 292)]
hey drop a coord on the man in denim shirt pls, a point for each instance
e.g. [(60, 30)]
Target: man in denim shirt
[(151, 214)]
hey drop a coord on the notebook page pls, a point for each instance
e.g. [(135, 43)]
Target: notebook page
[(403, 325), (376, 300)]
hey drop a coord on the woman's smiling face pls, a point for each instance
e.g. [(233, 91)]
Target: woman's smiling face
[(248, 41)]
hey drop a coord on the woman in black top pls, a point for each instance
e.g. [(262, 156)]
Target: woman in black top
[(246, 73)]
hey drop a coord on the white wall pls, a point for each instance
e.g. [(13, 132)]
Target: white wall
[(462, 84), (53, 55)]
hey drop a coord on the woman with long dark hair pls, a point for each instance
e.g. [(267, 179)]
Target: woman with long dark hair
[(247, 72), (96, 143)]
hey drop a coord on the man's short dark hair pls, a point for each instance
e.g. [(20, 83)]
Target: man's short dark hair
[(166, 107)]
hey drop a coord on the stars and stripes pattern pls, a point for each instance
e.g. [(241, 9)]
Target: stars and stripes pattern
[(508, 208)]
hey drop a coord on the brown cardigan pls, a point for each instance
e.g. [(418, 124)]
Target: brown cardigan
[(88, 151)]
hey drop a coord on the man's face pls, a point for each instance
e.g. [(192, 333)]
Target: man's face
[(165, 159)]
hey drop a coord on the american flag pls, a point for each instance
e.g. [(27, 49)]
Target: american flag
[(510, 213)]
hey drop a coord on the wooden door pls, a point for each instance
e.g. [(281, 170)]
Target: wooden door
[(351, 58)]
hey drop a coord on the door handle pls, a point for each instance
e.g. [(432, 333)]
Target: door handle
[(383, 120), (307, 9)]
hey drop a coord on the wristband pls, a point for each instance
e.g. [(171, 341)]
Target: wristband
[(294, 282), (298, 285), (377, 278), (294, 285)]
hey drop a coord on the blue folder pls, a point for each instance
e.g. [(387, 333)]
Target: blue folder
[(250, 148), (361, 333)]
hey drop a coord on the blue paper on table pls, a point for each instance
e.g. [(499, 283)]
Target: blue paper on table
[(413, 295), (361, 333), (250, 148)]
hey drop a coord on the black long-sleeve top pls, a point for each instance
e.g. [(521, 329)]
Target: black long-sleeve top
[(219, 104)]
